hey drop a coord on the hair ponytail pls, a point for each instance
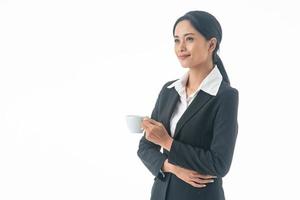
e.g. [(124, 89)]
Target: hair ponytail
[(219, 63)]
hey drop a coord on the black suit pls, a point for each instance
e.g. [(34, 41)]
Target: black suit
[(204, 141)]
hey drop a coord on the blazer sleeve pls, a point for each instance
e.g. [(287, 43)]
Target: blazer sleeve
[(217, 159), (149, 152)]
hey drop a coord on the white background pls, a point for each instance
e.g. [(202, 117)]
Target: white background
[(71, 70)]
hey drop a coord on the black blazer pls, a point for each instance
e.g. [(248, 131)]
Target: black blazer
[(204, 141)]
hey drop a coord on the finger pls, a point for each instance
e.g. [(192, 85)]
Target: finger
[(149, 126), (152, 121), (197, 179), (147, 123), (197, 185), (204, 176), (150, 133), (202, 181), (209, 177), (144, 126)]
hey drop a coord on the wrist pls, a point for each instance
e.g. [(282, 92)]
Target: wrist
[(168, 167), (172, 168), (168, 144)]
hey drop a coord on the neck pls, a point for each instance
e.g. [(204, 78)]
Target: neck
[(197, 75)]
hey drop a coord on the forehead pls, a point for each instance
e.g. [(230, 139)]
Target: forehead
[(184, 27)]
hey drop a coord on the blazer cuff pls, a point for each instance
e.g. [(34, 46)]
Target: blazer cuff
[(172, 156), (161, 175)]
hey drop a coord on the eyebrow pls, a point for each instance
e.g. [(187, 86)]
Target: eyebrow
[(184, 35)]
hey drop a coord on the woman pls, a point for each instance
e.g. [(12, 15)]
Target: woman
[(194, 119)]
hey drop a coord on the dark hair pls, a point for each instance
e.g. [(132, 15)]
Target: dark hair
[(208, 26)]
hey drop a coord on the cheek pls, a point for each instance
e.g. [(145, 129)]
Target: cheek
[(199, 54), (175, 49)]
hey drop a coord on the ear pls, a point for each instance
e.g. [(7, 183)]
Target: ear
[(212, 44)]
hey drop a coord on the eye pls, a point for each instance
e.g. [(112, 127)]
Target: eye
[(176, 40), (190, 39)]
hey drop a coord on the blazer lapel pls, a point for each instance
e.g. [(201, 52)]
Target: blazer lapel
[(168, 108), (200, 100)]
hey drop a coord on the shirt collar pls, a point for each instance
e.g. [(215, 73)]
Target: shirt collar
[(210, 84)]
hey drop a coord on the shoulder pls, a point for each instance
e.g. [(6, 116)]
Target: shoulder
[(167, 84), (165, 91), (226, 89), (227, 94)]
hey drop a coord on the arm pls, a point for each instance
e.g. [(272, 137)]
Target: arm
[(216, 160), (149, 152), (191, 177)]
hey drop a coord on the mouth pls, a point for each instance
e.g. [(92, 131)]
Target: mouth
[(183, 57)]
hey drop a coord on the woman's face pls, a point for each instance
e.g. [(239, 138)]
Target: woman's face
[(191, 48)]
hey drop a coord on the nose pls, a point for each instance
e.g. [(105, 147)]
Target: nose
[(181, 47)]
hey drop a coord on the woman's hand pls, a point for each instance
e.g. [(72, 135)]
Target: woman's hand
[(191, 177), (157, 133)]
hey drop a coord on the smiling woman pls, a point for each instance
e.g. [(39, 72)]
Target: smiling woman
[(193, 51), (191, 47), (194, 119)]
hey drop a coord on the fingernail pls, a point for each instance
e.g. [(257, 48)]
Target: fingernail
[(211, 181)]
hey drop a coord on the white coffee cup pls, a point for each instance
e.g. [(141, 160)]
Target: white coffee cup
[(134, 123)]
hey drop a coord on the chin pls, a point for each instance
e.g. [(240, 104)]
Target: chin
[(185, 65)]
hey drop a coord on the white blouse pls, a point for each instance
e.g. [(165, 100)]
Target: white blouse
[(210, 85)]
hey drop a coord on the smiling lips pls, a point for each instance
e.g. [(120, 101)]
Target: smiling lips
[(183, 56)]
